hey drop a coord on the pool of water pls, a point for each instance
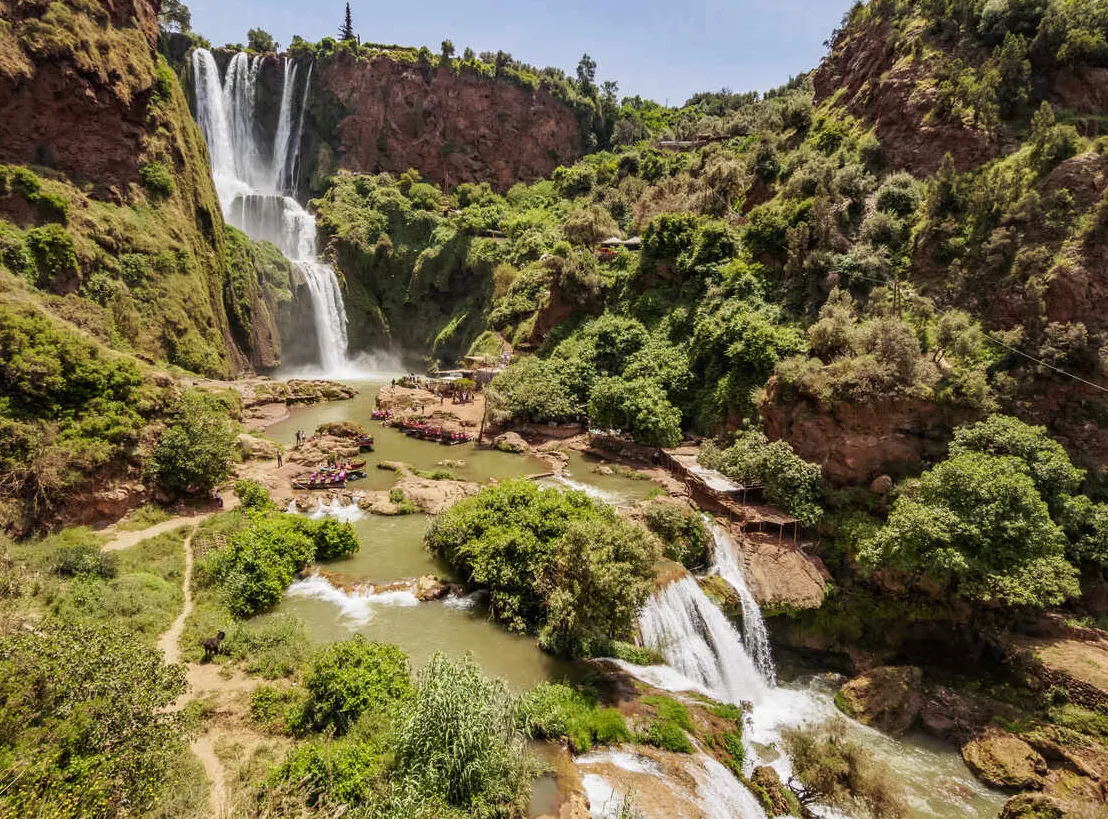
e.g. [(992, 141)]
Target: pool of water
[(602, 481)]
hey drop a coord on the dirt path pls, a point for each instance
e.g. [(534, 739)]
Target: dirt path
[(169, 643)]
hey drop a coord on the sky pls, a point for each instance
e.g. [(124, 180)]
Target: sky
[(660, 50)]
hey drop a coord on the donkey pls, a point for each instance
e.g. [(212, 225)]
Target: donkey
[(211, 646)]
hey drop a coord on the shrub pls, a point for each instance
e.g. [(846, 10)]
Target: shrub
[(683, 534), (156, 179), (272, 649), (253, 496), (194, 452), (832, 769), (556, 711), (86, 723), (668, 736), (350, 678), (640, 408), (84, 560), (333, 540), (54, 253), (457, 741)]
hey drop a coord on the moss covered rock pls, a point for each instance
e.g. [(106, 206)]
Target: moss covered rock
[(1003, 760), (887, 698)]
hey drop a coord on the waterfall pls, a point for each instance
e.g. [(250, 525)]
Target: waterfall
[(699, 642), (755, 634), (254, 181)]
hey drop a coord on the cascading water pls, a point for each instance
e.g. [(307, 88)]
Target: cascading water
[(755, 634), (699, 642), (254, 180)]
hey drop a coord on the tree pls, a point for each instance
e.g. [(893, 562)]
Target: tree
[(193, 454), (831, 769), (639, 408), (586, 75), (598, 578), (349, 678), (86, 729), (260, 41), (977, 527), (447, 50), (346, 30), (175, 15)]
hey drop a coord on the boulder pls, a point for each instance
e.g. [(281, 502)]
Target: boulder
[(951, 716), (1034, 806), (511, 442), (1003, 760), (430, 588), (256, 449), (888, 698)]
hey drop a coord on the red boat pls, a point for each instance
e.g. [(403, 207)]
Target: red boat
[(365, 444)]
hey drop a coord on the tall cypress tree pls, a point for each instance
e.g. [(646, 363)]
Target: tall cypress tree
[(346, 31)]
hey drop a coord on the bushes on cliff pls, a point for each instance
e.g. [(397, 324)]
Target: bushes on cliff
[(555, 563), (684, 536)]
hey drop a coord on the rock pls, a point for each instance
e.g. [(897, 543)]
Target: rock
[(774, 794), (948, 715), (511, 442), (781, 577), (1003, 760), (881, 485), (430, 588), (888, 698), (1034, 806), (256, 449)]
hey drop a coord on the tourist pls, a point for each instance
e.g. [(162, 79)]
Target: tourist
[(280, 460)]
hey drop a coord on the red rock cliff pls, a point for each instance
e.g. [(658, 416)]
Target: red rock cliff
[(452, 127)]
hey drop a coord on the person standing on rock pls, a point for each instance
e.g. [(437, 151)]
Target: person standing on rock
[(280, 459)]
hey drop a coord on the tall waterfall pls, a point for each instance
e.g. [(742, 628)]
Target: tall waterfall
[(755, 635), (699, 642), (254, 181)]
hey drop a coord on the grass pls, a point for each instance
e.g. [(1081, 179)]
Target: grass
[(144, 517), (670, 725), (557, 711)]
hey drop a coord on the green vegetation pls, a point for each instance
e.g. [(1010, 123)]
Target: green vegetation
[(555, 563), (788, 481), (980, 523), (556, 711), (832, 769), (670, 726), (193, 454), (86, 729), (684, 536)]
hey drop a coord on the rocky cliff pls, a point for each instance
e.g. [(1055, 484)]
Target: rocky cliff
[(108, 196), (370, 116)]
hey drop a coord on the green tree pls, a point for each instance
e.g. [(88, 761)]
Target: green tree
[(350, 678), (175, 15), (976, 526), (448, 50), (640, 408), (85, 729), (260, 41), (193, 454), (346, 30), (586, 75), (598, 578)]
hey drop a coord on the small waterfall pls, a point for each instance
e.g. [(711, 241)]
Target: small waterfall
[(755, 634), (699, 642), (253, 181)]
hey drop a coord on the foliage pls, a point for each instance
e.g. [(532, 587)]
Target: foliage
[(259, 561), (351, 678), (976, 526), (832, 769), (457, 741), (272, 649), (193, 454), (157, 179), (253, 496), (789, 481), (260, 41), (86, 728), (555, 711), (683, 534), (640, 407), (555, 563)]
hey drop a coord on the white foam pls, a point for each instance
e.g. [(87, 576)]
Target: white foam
[(719, 794), (603, 800), (464, 602), (624, 760), (356, 607), (338, 509)]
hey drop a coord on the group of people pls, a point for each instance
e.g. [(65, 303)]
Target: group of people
[(301, 438)]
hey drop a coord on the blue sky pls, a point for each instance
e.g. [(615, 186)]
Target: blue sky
[(662, 50)]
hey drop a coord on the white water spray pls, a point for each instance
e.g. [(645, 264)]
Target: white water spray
[(755, 634), (699, 642), (253, 181)]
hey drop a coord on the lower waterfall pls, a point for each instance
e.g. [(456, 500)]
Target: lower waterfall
[(755, 635)]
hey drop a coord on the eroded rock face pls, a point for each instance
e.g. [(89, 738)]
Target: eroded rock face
[(887, 698), (1003, 760), (386, 115), (856, 444)]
